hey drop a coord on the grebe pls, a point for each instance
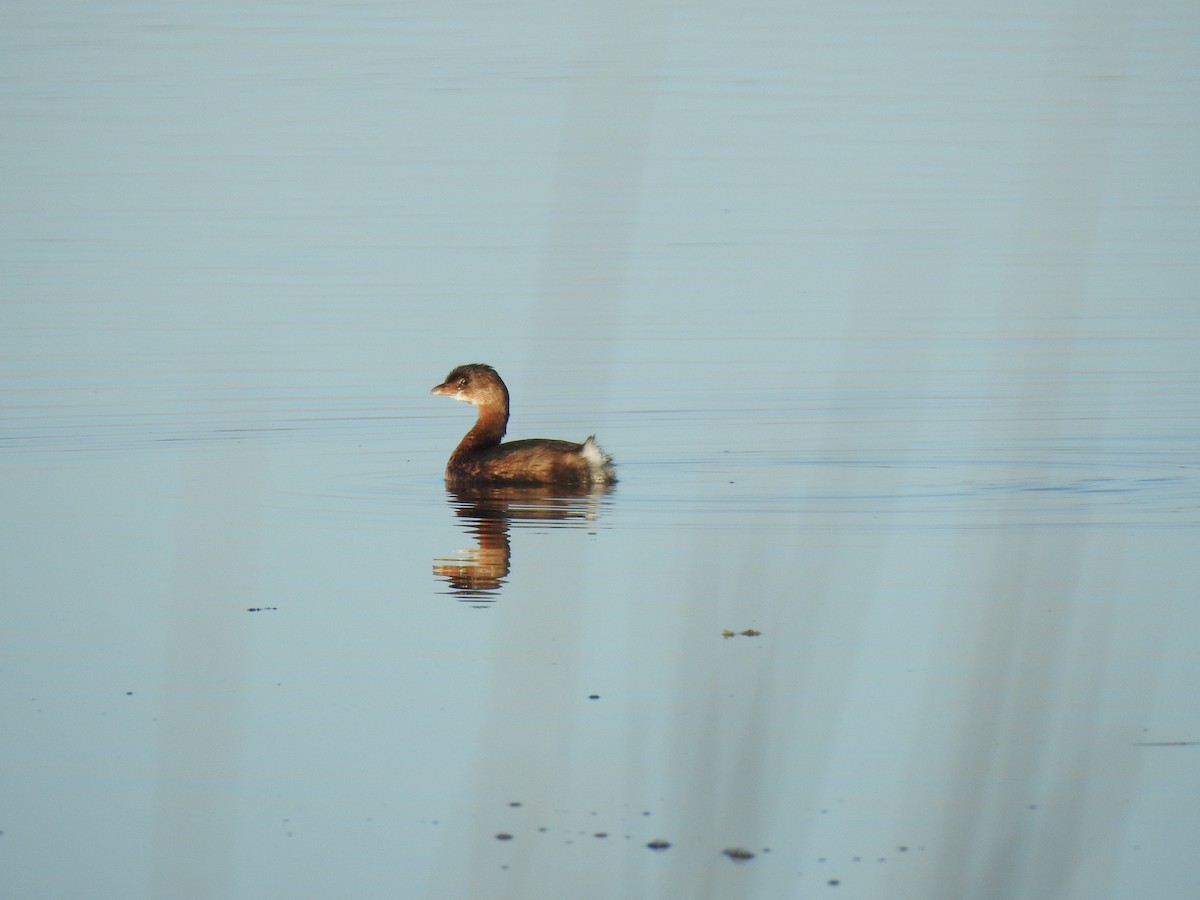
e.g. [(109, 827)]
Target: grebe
[(480, 458)]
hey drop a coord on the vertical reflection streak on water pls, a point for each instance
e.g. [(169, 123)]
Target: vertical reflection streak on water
[(527, 740), (587, 252), (201, 729), (805, 684), (595, 193), (1025, 666)]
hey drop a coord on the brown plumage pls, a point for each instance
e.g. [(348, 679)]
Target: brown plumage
[(480, 458)]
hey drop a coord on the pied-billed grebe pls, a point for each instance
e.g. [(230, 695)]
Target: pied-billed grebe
[(480, 458)]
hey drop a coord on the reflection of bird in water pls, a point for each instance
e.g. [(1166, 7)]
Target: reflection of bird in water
[(484, 567), (480, 572), (480, 458)]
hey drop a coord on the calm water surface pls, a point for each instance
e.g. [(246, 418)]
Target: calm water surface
[(890, 319)]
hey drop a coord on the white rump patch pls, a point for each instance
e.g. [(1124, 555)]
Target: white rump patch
[(599, 463)]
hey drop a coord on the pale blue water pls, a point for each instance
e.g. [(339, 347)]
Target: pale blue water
[(889, 317)]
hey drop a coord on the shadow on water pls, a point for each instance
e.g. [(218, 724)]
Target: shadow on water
[(477, 574)]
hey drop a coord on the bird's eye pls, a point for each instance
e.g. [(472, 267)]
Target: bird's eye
[(462, 382)]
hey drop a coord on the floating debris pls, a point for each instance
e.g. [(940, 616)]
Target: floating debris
[(738, 854), (504, 836), (749, 632), (659, 844), (262, 608)]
